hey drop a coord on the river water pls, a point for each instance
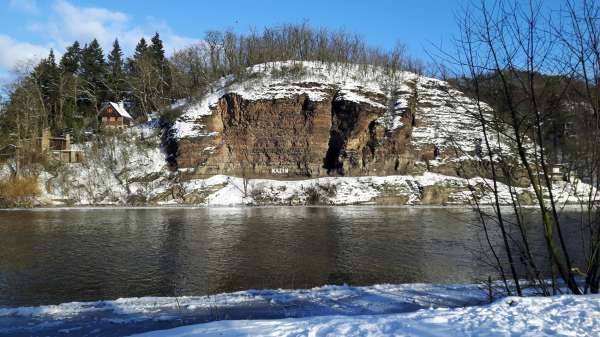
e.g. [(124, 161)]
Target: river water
[(56, 256)]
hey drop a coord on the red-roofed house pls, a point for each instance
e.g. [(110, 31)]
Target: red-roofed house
[(114, 115)]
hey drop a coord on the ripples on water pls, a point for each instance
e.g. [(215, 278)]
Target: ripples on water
[(55, 256)]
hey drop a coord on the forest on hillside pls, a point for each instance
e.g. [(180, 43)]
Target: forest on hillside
[(66, 94)]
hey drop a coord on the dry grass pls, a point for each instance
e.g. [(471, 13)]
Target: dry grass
[(19, 191)]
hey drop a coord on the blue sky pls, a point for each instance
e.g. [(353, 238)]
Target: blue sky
[(29, 28)]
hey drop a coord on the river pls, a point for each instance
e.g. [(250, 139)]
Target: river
[(56, 256)]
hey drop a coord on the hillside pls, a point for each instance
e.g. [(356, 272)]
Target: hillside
[(294, 133)]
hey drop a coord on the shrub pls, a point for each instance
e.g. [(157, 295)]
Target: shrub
[(313, 197), (294, 71), (19, 191)]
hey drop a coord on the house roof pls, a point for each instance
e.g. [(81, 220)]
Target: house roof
[(120, 109)]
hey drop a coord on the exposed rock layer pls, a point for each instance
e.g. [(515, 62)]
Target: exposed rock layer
[(298, 137), (322, 124)]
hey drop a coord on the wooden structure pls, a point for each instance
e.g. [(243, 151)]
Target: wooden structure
[(58, 148), (115, 116)]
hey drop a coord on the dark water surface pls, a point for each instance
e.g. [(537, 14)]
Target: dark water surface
[(56, 256)]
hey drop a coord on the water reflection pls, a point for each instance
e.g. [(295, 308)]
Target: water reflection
[(60, 256)]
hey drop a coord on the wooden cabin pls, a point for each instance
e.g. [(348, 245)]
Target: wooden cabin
[(113, 115)]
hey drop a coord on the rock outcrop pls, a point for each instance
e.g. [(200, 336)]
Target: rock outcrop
[(297, 120)]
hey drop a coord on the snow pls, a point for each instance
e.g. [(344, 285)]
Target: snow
[(115, 168), (287, 79), (334, 299), (120, 109), (229, 191), (130, 315), (444, 116), (112, 318), (566, 315), (331, 310)]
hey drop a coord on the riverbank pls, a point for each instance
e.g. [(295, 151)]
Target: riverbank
[(378, 310), (508, 208), (565, 315), (134, 315)]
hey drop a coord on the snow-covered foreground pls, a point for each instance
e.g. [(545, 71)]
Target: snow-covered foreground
[(135, 315), (566, 315), (379, 310)]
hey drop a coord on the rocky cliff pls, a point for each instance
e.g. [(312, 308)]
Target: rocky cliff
[(297, 120)]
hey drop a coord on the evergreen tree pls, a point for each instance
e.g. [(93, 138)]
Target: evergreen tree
[(46, 76), (140, 49), (157, 52), (71, 59), (93, 73), (116, 75)]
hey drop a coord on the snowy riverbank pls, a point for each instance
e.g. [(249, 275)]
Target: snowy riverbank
[(129, 169), (565, 315), (135, 315), (379, 310)]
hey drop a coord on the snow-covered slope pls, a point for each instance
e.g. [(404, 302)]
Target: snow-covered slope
[(118, 169), (312, 119), (566, 315), (129, 170), (397, 138), (428, 188)]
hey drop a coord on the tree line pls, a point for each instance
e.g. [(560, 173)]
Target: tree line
[(224, 53), (66, 94)]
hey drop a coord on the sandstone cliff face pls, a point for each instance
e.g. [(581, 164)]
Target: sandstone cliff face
[(310, 120), (261, 138)]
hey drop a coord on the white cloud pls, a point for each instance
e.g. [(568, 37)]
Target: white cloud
[(27, 6), (13, 52), (68, 22)]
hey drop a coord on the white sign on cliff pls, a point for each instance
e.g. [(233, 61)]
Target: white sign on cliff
[(279, 170)]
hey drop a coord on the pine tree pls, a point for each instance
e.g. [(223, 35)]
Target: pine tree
[(140, 49), (157, 52), (93, 73), (71, 59), (116, 75), (46, 76), (68, 112)]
